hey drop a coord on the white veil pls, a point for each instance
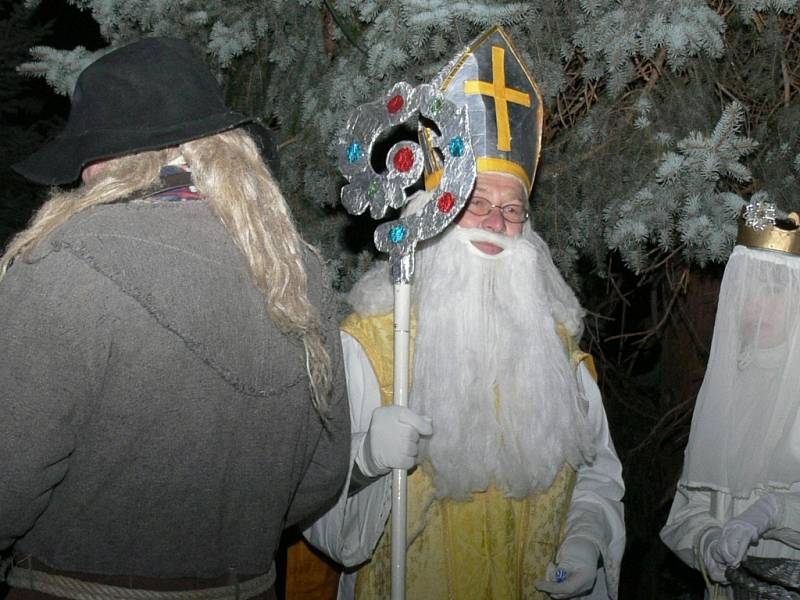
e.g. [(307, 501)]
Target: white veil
[(745, 432)]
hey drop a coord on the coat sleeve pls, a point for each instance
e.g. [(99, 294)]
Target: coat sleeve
[(55, 345), (324, 478), (349, 532), (596, 511)]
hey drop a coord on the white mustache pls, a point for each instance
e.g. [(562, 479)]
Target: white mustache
[(468, 235)]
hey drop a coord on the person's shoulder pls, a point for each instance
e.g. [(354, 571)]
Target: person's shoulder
[(145, 247), (159, 232), (370, 329), (143, 220), (373, 293)]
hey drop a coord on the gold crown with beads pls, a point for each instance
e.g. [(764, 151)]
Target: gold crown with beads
[(760, 228)]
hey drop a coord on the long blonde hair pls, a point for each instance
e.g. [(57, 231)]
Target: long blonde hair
[(229, 173)]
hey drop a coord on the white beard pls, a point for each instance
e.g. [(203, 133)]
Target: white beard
[(489, 366)]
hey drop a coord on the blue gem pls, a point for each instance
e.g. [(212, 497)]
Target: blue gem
[(397, 234), (456, 147), (561, 575), (354, 152)]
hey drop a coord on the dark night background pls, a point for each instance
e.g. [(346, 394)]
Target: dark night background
[(30, 111)]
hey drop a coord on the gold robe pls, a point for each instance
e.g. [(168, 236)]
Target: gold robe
[(490, 547)]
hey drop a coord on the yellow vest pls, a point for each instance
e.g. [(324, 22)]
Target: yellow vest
[(489, 547)]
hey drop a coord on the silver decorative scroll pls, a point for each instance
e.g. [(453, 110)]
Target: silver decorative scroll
[(404, 164)]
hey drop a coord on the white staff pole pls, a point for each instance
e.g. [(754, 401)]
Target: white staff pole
[(402, 327)]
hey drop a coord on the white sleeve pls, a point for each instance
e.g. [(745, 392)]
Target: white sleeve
[(596, 512), (349, 532), (789, 516), (689, 516), (786, 526)]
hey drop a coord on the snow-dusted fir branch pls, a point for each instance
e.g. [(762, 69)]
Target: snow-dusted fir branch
[(615, 176), (59, 67), (750, 7), (687, 202), (610, 34)]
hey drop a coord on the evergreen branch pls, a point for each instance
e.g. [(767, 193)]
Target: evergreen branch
[(658, 65), (664, 260), (726, 92), (345, 30), (787, 83), (613, 283), (729, 123), (680, 409), (288, 142), (790, 35), (650, 332), (701, 345), (32, 68)]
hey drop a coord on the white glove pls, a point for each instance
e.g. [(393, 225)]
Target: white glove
[(714, 567), (747, 528), (575, 569), (392, 440)]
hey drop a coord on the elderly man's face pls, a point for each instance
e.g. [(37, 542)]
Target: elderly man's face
[(498, 193)]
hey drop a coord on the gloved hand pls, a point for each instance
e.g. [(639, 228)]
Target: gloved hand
[(575, 569), (392, 440), (714, 567), (747, 528)]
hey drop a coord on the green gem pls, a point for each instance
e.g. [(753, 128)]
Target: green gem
[(436, 105), (373, 188)]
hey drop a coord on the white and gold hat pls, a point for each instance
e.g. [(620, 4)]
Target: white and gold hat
[(504, 104)]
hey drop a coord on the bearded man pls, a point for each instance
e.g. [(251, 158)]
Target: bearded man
[(171, 386), (519, 486)]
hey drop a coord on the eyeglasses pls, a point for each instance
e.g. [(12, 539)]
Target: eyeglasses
[(513, 213)]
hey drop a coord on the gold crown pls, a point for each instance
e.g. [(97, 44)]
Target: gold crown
[(782, 236)]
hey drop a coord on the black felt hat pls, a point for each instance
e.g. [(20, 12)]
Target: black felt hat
[(151, 94)]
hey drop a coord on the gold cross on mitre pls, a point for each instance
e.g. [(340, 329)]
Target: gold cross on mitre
[(505, 113), (502, 96)]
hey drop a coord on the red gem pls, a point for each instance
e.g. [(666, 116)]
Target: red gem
[(395, 103), (446, 202), (403, 160)]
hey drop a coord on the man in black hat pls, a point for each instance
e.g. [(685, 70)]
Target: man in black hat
[(171, 379)]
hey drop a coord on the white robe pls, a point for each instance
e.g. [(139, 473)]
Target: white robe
[(350, 531), (745, 435), (694, 510)]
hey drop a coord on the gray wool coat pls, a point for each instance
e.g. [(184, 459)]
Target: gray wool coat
[(153, 420)]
